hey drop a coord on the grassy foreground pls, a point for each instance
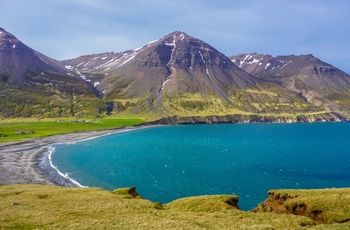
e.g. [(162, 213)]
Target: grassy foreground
[(48, 207), (48, 127)]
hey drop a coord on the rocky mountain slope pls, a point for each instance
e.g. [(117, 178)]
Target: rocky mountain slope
[(175, 76), (181, 75), (34, 84), (318, 82)]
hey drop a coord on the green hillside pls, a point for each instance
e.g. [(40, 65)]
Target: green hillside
[(52, 207)]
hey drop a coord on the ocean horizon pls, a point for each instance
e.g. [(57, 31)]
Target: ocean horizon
[(165, 163)]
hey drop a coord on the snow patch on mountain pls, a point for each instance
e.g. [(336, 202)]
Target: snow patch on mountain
[(153, 41), (82, 76), (80, 64), (87, 63), (244, 60), (43, 60), (248, 60), (182, 36), (163, 84), (129, 58), (173, 44), (286, 64), (206, 69), (137, 49), (112, 60)]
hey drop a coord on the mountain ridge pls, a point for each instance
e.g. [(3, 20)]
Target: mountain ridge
[(318, 82), (184, 66), (34, 84), (177, 75)]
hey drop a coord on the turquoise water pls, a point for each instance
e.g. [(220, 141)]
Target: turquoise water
[(170, 162)]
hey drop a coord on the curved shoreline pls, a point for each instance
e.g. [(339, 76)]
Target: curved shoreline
[(20, 161)]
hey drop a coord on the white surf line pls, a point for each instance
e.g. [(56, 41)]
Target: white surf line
[(64, 175), (51, 149)]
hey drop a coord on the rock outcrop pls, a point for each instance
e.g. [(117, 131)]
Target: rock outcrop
[(239, 118)]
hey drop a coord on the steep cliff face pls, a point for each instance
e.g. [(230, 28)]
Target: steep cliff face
[(324, 206), (239, 118), (276, 202)]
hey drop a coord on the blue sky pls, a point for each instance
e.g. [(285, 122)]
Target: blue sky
[(65, 29)]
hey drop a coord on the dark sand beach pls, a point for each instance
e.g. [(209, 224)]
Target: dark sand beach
[(25, 163)]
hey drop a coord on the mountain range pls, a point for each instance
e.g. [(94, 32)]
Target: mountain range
[(319, 83), (177, 78)]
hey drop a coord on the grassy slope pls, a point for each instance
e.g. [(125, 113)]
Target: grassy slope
[(48, 127), (47, 207)]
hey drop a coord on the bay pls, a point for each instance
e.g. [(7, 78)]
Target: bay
[(248, 160)]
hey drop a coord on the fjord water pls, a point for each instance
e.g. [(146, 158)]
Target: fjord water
[(248, 160)]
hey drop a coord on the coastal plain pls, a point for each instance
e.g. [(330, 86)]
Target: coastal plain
[(29, 200)]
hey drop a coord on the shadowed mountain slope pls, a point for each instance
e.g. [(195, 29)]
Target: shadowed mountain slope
[(34, 84)]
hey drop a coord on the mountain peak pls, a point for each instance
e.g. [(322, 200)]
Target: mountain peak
[(174, 75), (6, 35), (176, 33), (173, 37)]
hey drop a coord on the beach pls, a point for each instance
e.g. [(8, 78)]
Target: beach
[(20, 161)]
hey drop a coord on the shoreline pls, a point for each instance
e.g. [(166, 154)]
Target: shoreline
[(27, 162)]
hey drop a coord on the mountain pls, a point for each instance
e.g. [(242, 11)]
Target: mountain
[(184, 76), (318, 82), (177, 78), (34, 84)]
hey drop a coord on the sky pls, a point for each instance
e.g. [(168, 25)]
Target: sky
[(63, 29)]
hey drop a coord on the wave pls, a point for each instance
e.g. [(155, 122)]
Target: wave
[(51, 150), (50, 171), (45, 164)]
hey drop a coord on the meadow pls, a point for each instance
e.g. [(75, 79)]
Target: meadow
[(48, 207), (35, 128)]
